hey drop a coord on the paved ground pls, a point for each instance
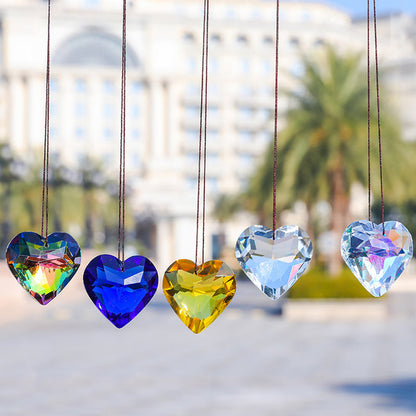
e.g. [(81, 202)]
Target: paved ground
[(66, 359)]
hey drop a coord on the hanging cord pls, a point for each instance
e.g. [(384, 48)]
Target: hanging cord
[(378, 110), (378, 114), (122, 179), (45, 178), (276, 111), (202, 151), (368, 110)]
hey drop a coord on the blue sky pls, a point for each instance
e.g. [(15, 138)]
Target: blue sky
[(359, 7)]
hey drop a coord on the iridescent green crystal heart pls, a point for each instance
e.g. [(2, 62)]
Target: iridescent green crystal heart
[(43, 266)]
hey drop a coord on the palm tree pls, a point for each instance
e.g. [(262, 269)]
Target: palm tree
[(91, 179), (322, 150), (11, 170)]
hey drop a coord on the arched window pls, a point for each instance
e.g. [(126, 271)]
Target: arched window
[(93, 48)]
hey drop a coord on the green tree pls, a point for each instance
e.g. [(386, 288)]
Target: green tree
[(323, 148), (12, 170)]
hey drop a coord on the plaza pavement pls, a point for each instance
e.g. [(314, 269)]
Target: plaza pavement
[(67, 360)]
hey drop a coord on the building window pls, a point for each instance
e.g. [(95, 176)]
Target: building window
[(246, 136), (137, 87), (246, 90), (192, 89), (294, 42), (213, 89), (266, 66), (192, 135), (266, 91), (297, 69), (192, 111), (189, 38), (108, 133), (53, 109), (246, 159), (213, 158), (242, 40), (268, 41), (80, 86), (136, 134), (191, 182), (264, 114), (135, 160), (108, 111), (264, 136), (230, 13), (54, 86), (244, 66), (213, 135), (192, 159), (215, 39), (135, 112), (319, 43), (214, 111), (213, 184), (109, 87), (245, 112), (191, 64), (213, 65), (80, 110), (79, 133)]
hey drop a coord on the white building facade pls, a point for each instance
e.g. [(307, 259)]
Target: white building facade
[(164, 48)]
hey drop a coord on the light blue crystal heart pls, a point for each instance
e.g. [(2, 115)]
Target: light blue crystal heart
[(376, 260), (274, 265)]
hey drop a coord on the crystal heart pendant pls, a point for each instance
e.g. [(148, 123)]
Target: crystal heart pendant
[(43, 266), (274, 265), (198, 295), (376, 259), (120, 294)]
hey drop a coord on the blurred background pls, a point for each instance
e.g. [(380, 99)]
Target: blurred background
[(327, 349)]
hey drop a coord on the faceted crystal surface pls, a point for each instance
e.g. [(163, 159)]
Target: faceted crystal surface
[(120, 294), (199, 296), (376, 260), (43, 269), (274, 265)]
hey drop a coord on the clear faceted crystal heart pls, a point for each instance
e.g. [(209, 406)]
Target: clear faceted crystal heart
[(376, 260), (274, 265)]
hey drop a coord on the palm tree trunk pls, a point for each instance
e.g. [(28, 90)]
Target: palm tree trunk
[(340, 218), (310, 229)]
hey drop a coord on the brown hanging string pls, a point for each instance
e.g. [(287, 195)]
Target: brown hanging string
[(202, 151), (45, 181), (378, 109), (368, 110), (276, 111), (122, 178)]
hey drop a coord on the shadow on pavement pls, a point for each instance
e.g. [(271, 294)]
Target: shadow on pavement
[(393, 394)]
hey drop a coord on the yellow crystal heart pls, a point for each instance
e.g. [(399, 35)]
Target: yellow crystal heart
[(198, 295)]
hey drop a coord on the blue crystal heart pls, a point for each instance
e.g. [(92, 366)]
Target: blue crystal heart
[(376, 260), (274, 265), (120, 294)]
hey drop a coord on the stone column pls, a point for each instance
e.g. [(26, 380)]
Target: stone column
[(173, 131), (164, 254), (17, 116), (157, 119), (35, 111)]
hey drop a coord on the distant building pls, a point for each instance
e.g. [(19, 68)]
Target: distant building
[(164, 47)]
